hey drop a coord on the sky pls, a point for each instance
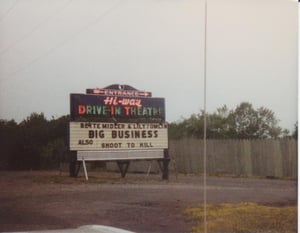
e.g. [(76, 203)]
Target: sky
[(51, 48)]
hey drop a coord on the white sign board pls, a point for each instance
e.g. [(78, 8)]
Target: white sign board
[(120, 155), (104, 136)]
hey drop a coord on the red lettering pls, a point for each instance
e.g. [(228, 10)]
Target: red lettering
[(138, 103), (115, 101), (81, 109), (112, 110), (127, 110), (132, 102), (108, 100)]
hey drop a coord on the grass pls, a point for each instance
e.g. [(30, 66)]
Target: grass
[(245, 218)]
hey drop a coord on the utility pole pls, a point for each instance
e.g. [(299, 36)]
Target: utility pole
[(205, 124)]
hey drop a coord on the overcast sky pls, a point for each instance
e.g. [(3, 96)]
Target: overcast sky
[(51, 48)]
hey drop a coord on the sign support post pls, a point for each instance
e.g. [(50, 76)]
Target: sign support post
[(166, 165), (84, 168), (123, 166)]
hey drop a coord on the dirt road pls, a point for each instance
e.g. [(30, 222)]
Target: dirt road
[(47, 200)]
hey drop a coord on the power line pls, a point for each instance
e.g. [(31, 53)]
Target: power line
[(26, 35), (62, 43)]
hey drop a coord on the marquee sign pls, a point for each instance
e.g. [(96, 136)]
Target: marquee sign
[(107, 106), (103, 136), (98, 131)]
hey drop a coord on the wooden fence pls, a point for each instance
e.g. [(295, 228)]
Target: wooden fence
[(264, 158)]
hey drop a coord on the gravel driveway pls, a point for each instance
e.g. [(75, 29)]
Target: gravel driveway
[(140, 203)]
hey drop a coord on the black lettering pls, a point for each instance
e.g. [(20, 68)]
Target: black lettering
[(137, 134), (85, 142), (96, 134), (101, 134), (91, 134), (120, 134), (146, 144), (144, 134), (111, 145)]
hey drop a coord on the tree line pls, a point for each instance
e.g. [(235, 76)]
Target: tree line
[(243, 122), (34, 143), (38, 143)]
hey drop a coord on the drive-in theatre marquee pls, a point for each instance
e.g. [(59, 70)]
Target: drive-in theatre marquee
[(118, 123), (108, 106)]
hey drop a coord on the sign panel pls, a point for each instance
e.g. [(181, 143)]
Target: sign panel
[(120, 155), (104, 136), (98, 106)]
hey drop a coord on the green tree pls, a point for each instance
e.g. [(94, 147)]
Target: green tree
[(58, 128), (34, 136), (295, 133), (56, 150), (219, 124), (190, 127), (243, 122), (9, 143), (53, 154), (251, 123), (35, 143)]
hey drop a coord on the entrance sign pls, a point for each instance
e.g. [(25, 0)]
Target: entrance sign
[(118, 90), (103, 136), (132, 93), (117, 123)]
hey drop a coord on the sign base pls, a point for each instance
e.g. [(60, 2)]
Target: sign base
[(122, 158)]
